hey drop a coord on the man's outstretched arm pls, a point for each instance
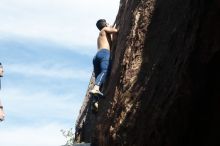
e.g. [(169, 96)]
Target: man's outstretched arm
[(110, 29)]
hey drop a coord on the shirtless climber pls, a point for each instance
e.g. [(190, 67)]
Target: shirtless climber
[(101, 60)]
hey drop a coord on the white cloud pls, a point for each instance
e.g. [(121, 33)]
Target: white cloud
[(44, 135), (42, 102), (66, 21), (49, 71), (36, 118), (43, 105), (59, 103)]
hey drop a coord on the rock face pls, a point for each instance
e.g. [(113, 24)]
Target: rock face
[(164, 86)]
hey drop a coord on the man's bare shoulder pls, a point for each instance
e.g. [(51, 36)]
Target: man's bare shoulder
[(102, 32)]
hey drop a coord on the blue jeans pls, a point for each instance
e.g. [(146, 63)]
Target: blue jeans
[(101, 63)]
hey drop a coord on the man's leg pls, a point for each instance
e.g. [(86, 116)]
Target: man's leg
[(101, 77), (96, 69), (96, 66)]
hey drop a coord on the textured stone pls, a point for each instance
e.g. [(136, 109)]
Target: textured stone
[(163, 89)]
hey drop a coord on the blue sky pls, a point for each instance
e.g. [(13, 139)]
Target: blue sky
[(46, 48)]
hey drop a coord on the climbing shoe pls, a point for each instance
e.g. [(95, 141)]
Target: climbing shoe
[(96, 92)]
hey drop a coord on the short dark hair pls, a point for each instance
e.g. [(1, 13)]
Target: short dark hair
[(101, 23)]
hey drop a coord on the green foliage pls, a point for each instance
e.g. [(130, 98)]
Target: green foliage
[(69, 135)]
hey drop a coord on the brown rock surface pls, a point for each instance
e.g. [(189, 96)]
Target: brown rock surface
[(164, 86)]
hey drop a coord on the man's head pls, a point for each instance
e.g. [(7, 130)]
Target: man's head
[(101, 23)]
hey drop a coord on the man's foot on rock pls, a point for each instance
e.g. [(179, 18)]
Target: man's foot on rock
[(95, 106), (96, 92)]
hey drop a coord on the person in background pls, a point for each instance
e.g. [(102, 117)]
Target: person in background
[(2, 114)]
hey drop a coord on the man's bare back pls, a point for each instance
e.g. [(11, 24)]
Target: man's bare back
[(104, 38)]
